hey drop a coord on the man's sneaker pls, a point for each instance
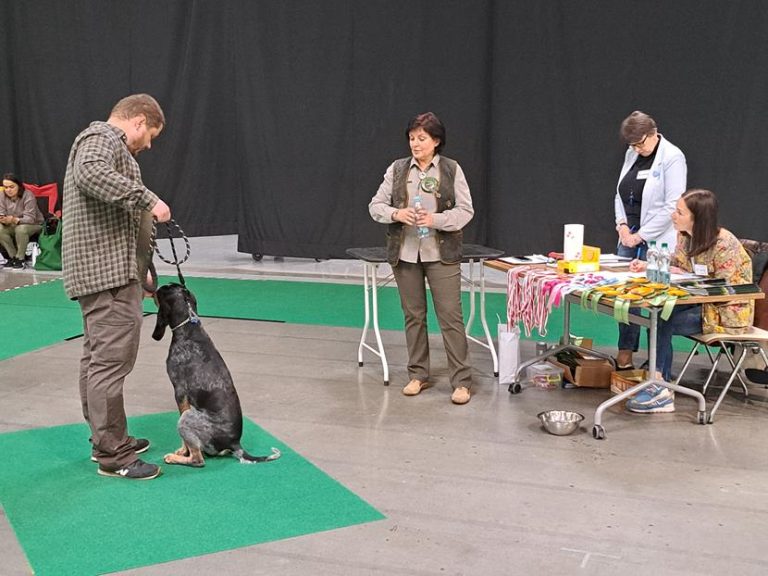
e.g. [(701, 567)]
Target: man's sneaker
[(140, 445), (653, 400), (17, 264), (138, 470)]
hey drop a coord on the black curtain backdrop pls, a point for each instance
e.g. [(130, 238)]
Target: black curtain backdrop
[(283, 116)]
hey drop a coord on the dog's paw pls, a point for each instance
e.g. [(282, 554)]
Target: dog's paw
[(183, 460)]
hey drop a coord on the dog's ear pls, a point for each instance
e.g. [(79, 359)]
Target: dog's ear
[(161, 322), (160, 326)]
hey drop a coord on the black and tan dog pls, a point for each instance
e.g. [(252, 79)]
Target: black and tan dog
[(211, 420)]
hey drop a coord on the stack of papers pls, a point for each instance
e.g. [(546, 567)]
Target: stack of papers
[(613, 258), (613, 261), (529, 259)]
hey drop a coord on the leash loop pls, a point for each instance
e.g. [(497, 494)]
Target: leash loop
[(175, 262)]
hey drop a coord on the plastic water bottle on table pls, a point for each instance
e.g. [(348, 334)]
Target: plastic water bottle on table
[(652, 256), (663, 265)]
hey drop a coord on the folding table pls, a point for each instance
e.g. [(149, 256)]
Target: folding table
[(651, 322), (374, 257)]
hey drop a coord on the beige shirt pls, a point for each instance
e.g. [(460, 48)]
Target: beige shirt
[(24, 207), (415, 249)]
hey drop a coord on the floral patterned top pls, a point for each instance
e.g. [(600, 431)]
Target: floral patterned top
[(727, 259)]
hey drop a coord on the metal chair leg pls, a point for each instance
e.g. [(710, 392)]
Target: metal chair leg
[(728, 355), (712, 370), (727, 385), (688, 361)]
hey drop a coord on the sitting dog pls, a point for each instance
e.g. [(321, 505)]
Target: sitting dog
[(211, 420)]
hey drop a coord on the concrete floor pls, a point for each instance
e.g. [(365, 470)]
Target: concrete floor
[(472, 490)]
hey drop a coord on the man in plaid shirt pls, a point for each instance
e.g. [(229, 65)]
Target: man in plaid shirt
[(107, 213)]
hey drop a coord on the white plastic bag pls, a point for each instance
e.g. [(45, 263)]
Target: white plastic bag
[(509, 353)]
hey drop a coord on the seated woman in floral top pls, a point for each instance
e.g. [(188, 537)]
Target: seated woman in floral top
[(701, 242)]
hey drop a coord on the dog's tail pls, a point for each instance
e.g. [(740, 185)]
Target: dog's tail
[(245, 458)]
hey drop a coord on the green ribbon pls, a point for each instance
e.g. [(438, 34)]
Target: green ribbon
[(585, 296), (621, 306), (666, 302), (621, 310), (669, 305), (596, 300)]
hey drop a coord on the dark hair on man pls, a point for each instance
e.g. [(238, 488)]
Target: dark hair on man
[(636, 126), (431, 124), (138, 104), (703, 206), (16, 180)]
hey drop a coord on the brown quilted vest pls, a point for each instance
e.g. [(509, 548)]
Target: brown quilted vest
[(449, 242)]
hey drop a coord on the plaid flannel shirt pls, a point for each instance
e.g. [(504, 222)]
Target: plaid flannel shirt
[(103, 205)]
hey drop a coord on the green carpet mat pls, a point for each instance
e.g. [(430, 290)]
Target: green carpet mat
[(48, 317), (70, 520), (42, 315)]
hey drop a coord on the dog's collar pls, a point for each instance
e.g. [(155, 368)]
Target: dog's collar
[(174, 328), (192, 318)]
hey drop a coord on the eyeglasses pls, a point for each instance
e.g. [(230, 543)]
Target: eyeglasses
[(639, 144)]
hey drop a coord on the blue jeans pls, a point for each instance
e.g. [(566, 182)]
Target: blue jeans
[(684, 321), (629, 334)]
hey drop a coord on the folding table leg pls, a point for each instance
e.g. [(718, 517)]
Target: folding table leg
[(370, 293), (488, 342)]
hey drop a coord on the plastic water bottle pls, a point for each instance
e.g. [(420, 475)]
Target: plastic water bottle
[(652, 256), (664, 257), (421, 231)]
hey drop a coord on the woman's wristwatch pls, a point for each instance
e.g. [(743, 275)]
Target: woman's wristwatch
[(618, 226)]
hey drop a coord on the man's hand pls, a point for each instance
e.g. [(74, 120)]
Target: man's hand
[(149, 282), (161, 212)]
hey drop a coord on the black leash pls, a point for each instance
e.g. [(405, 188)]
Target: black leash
[(175, 262)]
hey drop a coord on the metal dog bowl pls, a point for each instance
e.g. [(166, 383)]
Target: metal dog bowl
[(560, 422)]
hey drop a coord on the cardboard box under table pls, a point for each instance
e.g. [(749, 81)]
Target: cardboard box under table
[(582, 370), (622, 380), (588, 373)]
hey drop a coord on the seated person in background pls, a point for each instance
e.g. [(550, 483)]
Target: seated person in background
[(20, 218), (701, 245)]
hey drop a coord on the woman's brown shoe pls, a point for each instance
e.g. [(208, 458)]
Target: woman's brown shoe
[(414, 387), (460, 395)]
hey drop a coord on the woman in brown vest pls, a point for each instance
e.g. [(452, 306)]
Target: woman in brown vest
[(425, 200)]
